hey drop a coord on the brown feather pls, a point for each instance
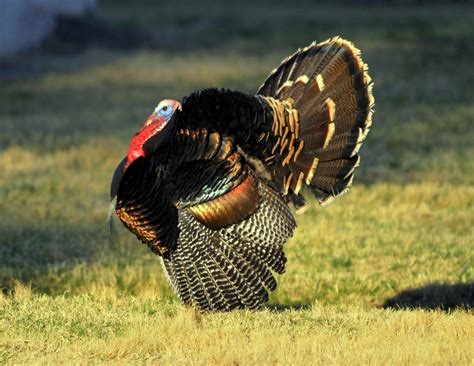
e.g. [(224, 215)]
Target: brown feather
[(231, 207)]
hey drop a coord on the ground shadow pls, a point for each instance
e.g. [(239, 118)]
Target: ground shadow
[(29, 251), (74, 34), (434, 296)]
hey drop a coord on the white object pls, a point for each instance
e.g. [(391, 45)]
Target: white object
[(25, 23)]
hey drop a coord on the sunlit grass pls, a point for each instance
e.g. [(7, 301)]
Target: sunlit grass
[(108, 328)]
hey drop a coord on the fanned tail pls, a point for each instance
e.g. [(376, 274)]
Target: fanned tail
[(328, 86), (231, 268)]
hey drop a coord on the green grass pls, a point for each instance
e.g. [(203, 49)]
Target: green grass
[(74, 294)]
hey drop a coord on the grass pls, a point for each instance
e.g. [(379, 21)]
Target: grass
[(383, 275), (88, 328)]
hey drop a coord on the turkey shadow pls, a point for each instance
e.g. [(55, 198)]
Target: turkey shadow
[(439, 296)]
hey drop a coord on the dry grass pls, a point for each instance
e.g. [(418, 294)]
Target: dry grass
[(382, 276), (110, 329)]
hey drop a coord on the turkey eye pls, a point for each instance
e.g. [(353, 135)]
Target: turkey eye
[(164, 111)]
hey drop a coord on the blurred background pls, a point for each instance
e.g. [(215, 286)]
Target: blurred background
[(78, 78)]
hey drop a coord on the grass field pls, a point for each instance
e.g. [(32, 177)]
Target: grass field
[(384, 275)]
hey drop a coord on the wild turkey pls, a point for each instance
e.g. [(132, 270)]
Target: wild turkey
[(207, 182)]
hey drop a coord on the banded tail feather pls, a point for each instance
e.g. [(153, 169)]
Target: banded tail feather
[(207, 181), (327, 88)]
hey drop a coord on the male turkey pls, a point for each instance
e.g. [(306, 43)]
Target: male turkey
[(207, 182)]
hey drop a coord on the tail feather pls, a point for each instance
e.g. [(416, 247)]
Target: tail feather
[(344, 146), (329, 87), (339, 169), (332, 185), (318, 119), (320, 138)]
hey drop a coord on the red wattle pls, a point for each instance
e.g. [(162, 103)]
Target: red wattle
[(136, 145)]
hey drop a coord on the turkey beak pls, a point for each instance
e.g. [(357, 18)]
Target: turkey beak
[(150, 119)]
